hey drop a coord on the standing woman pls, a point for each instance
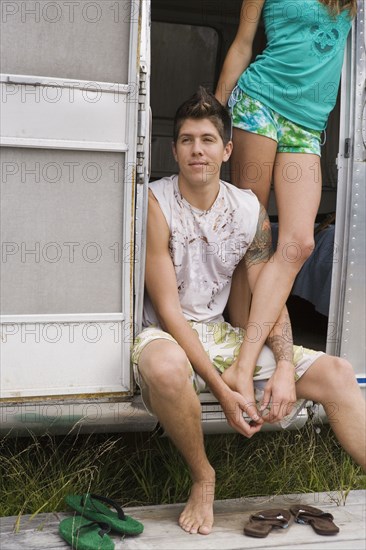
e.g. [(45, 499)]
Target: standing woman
[(280, 105)]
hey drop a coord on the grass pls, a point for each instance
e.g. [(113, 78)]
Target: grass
[(142, 469)]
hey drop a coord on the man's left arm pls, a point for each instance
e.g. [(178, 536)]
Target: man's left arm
[(280, 392)]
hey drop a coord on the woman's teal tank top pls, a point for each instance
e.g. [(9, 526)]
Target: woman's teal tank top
[(298, 73)]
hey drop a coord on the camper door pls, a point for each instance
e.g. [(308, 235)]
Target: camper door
[(73, 125), (346, 330)]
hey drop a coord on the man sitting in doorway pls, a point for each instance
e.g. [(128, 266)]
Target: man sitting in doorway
[(201, 233)]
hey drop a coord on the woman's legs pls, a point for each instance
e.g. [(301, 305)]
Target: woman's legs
[(252, 162), (297, 184), (251, 167)]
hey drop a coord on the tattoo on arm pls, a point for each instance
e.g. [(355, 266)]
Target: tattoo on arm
[(282, 344), (261, 248)]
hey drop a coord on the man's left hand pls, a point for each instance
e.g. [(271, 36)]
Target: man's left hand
[(279, 393)]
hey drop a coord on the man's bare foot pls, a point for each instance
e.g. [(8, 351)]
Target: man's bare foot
[(197, 516)]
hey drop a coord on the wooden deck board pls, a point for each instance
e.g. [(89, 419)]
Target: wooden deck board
[(162, 532)]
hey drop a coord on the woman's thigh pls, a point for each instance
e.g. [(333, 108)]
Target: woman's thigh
[(297, 183), (252, 163)]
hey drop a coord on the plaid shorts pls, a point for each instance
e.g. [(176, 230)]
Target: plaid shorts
[(251, 115), (222, 343)]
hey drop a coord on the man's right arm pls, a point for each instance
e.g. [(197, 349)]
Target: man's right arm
[(161, 285)]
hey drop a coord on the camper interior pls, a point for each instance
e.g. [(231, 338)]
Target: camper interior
[(189, 41)]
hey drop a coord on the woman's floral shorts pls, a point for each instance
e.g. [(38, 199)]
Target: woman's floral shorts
[(251, 115)]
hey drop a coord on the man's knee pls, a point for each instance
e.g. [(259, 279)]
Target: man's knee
[(165, 368), (339, 375), (344, 371)]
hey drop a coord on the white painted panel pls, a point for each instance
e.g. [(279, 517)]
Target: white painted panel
[(41, 114), (67, 112), (63, 242), (70, 39), (63, 359)]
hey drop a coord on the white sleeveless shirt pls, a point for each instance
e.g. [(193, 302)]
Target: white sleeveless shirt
[(205, 246)]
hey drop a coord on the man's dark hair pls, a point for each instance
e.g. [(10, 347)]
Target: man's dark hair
[(203, 104)]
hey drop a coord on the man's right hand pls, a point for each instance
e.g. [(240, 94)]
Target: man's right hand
[(235, 406)]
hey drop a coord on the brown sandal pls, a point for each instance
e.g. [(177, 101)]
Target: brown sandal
[(321, 522), (262, 523)]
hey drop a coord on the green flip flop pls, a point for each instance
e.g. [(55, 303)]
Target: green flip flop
[(83, 534), (93, 508)]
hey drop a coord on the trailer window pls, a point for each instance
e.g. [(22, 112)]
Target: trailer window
[(183, 57), (76, 40), (61, 224)]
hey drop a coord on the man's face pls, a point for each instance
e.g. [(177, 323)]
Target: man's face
[(200, 151)]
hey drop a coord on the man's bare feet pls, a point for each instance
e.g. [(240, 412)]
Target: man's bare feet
[(197, 516)]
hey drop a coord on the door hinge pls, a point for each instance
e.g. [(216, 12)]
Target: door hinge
[(143, 76), (347, 148), (141, 125)]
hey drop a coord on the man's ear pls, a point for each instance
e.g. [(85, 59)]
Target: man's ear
[(227, 151), (174, 150)]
